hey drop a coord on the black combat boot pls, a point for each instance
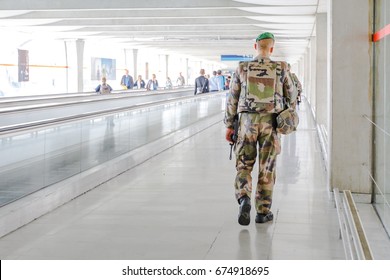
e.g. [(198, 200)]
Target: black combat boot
[(244, 211), (263, 218)]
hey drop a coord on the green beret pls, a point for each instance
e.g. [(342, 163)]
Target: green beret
[(265, 35)]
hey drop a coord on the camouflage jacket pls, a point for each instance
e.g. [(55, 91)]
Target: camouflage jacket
[(259, 86)]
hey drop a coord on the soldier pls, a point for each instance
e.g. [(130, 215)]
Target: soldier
[(297, 84), (257, 93)]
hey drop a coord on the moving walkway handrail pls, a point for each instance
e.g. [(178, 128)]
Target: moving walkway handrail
[(92, 99)]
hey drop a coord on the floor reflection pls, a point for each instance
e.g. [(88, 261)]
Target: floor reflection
[(244, 249)]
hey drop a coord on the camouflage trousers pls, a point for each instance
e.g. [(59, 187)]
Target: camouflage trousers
[(256, 131)]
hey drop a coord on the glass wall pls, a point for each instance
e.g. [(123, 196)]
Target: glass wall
[(34, 159), (382, 113)]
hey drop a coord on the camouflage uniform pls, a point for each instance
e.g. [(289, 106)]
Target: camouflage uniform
[(298, 85), (256, 92)]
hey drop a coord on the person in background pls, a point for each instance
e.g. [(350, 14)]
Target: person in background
[(221, 80), (152, 83), (168, 83), (139, 83), (227, 82), (213, 82), (180, 80), (103, 88), (297, 84), (201, 83), (127, 81)]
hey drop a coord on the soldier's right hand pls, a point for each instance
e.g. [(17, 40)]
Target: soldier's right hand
[(228, 136)]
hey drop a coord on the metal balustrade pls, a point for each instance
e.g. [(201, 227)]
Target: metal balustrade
[(352, 233)]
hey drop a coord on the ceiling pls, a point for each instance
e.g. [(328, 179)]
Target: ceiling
[(205, 29)]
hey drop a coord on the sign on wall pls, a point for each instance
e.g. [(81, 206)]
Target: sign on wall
[(103, 67), (233, 57)]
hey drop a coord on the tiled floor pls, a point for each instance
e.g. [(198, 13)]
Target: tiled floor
[(180, 205)]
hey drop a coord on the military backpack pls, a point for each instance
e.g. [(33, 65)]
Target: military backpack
[(264, 93)]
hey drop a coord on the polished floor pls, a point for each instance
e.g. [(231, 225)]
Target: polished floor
[(180, 205)]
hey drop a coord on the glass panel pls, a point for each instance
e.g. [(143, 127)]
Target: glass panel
[(21, 165), (33, 160), (387, 120), (382, 115), (62, 152)]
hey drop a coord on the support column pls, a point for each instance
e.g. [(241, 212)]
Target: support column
[(135, 64), (350, 93), (159, 73), (301, 71), (71, 63), (67, 66), (129, 61), (186, 72), (80, 64), (167, 65), (307, 75), (322, 105), (313, 75)]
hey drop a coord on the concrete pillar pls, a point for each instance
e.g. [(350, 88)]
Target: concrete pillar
[(307, 76), (71, 62), (130, 58), (301, 71), (135, 63), (313, 75), (305, 73), (161, 68), (350, 91), (322, 106), (67, 66), (167, 65), (147, 71), (80, 64), (186, 72)]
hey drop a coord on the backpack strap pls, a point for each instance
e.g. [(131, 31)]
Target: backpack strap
[(245, 66)]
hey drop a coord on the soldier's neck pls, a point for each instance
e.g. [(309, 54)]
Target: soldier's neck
[(264, 54)]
